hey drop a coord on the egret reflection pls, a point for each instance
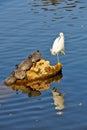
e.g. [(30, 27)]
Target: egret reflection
[(58, 99)]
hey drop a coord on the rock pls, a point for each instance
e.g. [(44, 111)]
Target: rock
[(26, 72), (43, 70)]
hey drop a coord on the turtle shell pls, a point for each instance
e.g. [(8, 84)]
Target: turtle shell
[(25, 65), (36, 56), (20, 74), (10, 80)]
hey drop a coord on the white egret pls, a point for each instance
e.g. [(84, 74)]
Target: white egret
[(58, 46)]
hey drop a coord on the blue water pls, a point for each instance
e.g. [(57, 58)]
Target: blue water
[(27, 26)]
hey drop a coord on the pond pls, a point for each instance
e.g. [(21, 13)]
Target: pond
[(27, 26)]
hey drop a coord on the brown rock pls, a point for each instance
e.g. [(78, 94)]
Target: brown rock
[(38, 77), (43, 70)]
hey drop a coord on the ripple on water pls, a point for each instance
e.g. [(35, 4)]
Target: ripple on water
[(16, 109), (26, 26)]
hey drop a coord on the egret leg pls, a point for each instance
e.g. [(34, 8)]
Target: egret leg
[(58, 58), (58, 84)]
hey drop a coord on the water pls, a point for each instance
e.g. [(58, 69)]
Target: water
[(27, 26)]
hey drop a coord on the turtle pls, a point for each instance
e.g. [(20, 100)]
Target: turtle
[(10, 80), (25, 65), (20, 74), (20, 71), (35, 57)]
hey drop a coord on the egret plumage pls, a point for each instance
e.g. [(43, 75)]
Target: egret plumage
[(58, 46)]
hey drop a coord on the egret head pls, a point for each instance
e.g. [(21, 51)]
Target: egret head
[(61, 34)]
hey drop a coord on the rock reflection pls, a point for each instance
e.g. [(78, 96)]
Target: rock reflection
[(34, 88), (58, 99), (25, 89)]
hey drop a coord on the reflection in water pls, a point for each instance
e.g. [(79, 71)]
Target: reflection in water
[(58, 99), (55, 6), (4, 91), (26, 89), (34, 88), (68, 3), (52, 2), (45, 3)]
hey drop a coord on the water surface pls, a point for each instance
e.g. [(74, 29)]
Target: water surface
[(27, 26)]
